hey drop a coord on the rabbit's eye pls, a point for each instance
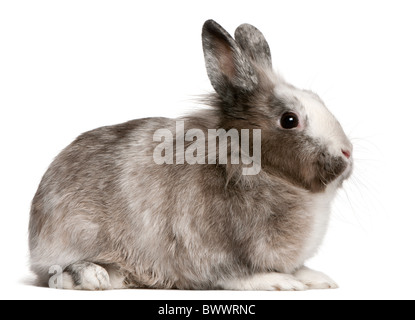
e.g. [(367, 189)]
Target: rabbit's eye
[(289, 120)]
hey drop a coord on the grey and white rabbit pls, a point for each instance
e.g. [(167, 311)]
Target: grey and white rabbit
[(106, 216)]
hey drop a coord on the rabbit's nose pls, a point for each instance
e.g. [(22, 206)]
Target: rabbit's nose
[(347, 153)]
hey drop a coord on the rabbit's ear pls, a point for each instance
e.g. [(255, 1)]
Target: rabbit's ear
[(230, 71), (254, 44)]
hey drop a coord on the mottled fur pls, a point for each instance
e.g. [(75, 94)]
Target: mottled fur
[(104, 200)]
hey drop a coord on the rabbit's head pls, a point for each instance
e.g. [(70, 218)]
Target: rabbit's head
[(302, 142)]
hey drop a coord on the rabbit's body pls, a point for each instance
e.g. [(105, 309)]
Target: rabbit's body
[(104, 202)]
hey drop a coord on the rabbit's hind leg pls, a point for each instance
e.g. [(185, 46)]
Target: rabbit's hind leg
[(82, 275)]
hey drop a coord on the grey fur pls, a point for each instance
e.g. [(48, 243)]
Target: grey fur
[(229, 69), (254, 44), (104, 200)]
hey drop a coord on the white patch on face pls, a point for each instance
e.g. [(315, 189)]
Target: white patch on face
[(320, 123)]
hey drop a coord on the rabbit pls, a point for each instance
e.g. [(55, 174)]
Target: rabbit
[(106, 216)]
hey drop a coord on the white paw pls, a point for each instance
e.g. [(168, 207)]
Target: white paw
[(314, 279), (86, 276), (95, 278), (265, 282)]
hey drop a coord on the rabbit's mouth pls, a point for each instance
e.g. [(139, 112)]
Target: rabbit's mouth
[(330, 170), (349, 170), (346, 174)]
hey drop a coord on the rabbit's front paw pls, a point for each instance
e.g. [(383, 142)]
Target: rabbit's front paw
[(314, 279), (265, 282)]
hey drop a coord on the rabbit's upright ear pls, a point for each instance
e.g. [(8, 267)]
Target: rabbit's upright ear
[(230, 70), (254, 44)]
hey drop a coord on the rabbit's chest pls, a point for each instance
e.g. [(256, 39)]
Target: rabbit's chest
[(319, 213), (292, 236)]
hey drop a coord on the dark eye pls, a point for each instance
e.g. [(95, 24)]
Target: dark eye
[(289, 120)]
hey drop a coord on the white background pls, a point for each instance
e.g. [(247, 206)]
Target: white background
[(70, 66)]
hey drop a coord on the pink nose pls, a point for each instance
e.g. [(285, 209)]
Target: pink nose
[(347, 153)]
